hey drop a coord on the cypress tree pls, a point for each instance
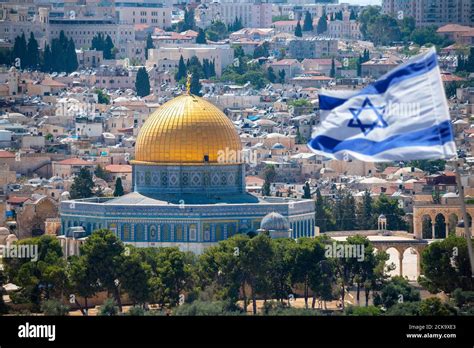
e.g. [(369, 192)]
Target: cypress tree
[(109, 48), (271, 75), (195, 85), (33, 53), (201, 37), (118, 187), (71, 62), (212, 68), (322, 24), (149, 45), (181, 69), (298, 31), (142, 83), (20, 50), (333, 68), (308, 22)]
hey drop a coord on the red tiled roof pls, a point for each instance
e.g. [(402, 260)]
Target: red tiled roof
[(119, 168), (17, 200), (6, 154), (449, 28)]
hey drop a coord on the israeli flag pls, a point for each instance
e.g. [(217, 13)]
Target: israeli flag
[(402, 116)]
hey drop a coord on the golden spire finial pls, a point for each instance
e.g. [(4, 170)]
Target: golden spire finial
[(188, 83)]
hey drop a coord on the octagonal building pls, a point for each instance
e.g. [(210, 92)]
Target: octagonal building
[(188, 186)]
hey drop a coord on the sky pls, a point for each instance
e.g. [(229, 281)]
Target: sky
[(362, 2)]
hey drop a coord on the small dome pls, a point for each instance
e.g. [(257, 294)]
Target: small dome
[(278, 146), (274, 222), (4, 231)]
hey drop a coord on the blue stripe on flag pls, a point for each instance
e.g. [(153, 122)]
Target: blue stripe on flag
[(436, 135), (409, 71)]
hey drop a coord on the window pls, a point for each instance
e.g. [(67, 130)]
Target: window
[(139, 233), (192, 232), (126, 234)]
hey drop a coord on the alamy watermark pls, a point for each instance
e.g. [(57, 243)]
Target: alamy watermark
[(237, 156), (337, 250), (19, 251)]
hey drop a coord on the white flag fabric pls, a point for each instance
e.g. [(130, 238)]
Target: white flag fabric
[(402, 116)]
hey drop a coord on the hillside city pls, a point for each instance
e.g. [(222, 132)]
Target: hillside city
[(154, 160)]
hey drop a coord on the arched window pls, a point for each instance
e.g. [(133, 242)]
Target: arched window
[(219, 232), (165, 233), (139, 233), (179, 235), (126, 232), (152, 233)]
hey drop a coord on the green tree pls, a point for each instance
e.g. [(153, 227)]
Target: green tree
[(54, 308), (397, 290), (322, 24), (426, 35), (195, 85), (307, 191), (20, 50), (181, 73), (322, 213), (142, 82), (269, 175), (47, 65), (281, 76), (353, 15), (171, 275), (271, 75), (238, 51), (434, 307), (33, 53), (257, 264), (308, 22), (262, 50), (135, 280), (102, 97), (82, 185), (118, 187), (217, 31), (201, 37), (71, 61), (149, 45), (365, 213), (298, 30), (446, 266), (389, 207), (104, 253), (430, 166), (42, 279), (332, 73), (82, 280), (308, 253), (109, 308), (362, 311), (222, 267)]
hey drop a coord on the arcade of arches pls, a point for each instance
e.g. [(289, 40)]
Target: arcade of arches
[(438, 221)]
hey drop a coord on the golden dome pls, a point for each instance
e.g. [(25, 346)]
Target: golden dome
[(183, 131)]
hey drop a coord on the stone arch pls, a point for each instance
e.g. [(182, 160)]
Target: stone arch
[(426, 227), (440, 226), (411, 258), (452, 223), (394, 257)]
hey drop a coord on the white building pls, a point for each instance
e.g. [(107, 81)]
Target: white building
[(144, 12), (252, 15), (167, 57)]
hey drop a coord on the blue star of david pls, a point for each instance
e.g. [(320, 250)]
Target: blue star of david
[(366, 128)]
